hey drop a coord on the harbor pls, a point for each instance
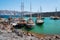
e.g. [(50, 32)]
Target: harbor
[(45, 31), (51, 27), (29, 20)]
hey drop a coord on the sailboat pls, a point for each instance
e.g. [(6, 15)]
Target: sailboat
[(55, 17), (39, 21), (22, 20), (41, 13), (13, 22), (30, 22)]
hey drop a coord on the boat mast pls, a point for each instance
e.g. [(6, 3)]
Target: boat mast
[(56, 11), (14, 14), (10, 15), (30, 10), (40, 10), (22, 8)]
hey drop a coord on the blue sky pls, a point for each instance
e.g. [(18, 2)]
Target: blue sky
[(46, 5)]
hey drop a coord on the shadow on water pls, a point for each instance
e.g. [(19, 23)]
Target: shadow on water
[(39, 25), (27, 29), (18, 27), (42, 18), (23, 27)]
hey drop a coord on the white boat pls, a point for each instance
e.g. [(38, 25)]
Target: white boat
[(39, 21), (55, 17), (13, 23)]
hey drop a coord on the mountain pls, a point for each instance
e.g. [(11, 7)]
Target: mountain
[(7, 12)]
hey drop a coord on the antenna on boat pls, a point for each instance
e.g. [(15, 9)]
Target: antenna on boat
[(22, 8), (30, 9)]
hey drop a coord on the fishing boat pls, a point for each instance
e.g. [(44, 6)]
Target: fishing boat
[(30, 22)]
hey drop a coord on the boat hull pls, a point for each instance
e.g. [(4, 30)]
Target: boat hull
[(20, 25), (30, 25), (55, 18), (39, 23)]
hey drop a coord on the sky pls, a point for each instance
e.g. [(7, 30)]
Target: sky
[(46, 5)]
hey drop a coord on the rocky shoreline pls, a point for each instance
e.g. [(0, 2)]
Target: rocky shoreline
[(6, 33)]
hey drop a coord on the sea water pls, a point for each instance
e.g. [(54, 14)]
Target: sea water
[(49, 26)]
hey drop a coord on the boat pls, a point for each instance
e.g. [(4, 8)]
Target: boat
[(22, 22), (55, 17), (39, 21), (13, 23), (30, 22), (19, 23), (22, 19), (39, 18)]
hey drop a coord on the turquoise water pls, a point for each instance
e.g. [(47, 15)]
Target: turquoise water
[(49, 26)]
